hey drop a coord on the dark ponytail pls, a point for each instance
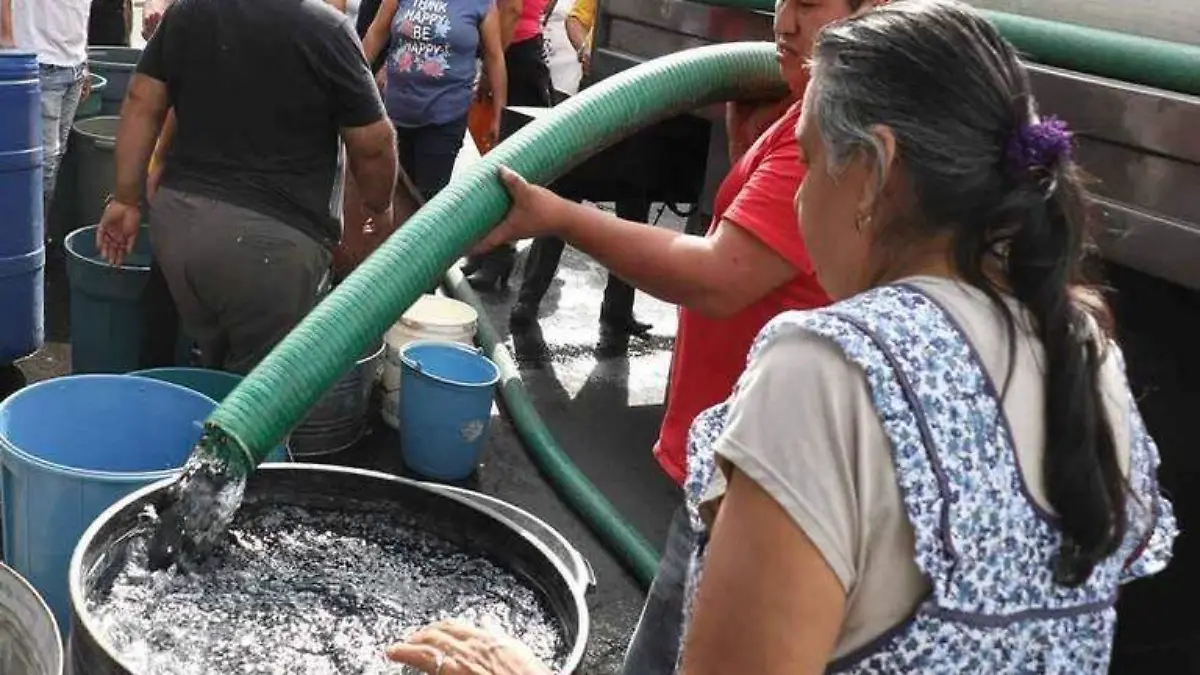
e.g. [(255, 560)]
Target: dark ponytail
[(1083, 478), (955, 95)]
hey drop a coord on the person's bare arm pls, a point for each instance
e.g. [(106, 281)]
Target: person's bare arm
[(371, 155), (377, 33), (510, 14), (718, 276), (577, 33), (493, 66), (768, 603), (6, 24), (339, 5), (152, 12), (142, 116)]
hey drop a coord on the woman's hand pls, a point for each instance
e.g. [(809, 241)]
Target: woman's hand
[(452, 648), (535, 212)]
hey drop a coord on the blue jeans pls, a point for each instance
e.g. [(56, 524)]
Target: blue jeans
[(62, 87), (654, 649), (427, 153)]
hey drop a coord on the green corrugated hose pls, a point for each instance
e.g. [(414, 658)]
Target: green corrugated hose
[(275, 396), (568, 481), (1173, 66)]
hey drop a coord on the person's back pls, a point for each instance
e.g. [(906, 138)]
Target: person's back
[(263, 94), (258, 120)]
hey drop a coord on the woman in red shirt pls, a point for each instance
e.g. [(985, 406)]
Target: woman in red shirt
[(749, 267)]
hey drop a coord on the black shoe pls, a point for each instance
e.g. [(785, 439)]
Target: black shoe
[(494, 271), (612, 343), (626, 325), (523, 315)]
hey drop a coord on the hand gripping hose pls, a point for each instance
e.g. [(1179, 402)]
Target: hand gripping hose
[(277, 394)]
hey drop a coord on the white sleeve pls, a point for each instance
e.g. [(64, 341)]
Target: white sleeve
[(797, 421)]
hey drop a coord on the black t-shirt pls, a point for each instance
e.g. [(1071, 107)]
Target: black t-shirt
[(261, 89), (106, 23)]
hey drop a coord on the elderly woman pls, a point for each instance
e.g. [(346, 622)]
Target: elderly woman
[(944, 471)]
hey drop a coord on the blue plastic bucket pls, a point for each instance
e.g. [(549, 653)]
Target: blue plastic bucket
[(446, 392), (215, 384), (72, 446), (110, 310)]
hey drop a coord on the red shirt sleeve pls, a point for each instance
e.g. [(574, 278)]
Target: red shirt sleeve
[(764, 206)]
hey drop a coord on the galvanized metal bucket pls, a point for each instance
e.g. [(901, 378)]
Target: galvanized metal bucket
[(339, 419), (29, 639)]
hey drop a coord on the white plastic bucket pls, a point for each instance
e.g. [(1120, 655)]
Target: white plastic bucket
[(432, 317)]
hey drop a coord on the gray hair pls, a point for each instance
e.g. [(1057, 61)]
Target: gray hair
[(950, 92)]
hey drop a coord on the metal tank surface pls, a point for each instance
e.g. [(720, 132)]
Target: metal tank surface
[(1174, 20), (483, 526), (1138, 142)]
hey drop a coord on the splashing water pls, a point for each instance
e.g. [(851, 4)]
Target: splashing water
[(317, 591), (195, 512)]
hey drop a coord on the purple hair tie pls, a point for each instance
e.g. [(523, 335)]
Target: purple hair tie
[(1039, 146)]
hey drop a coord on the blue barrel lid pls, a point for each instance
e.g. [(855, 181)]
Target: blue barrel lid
[(16, 64)]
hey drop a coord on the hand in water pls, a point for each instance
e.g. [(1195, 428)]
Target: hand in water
[(453, 648)]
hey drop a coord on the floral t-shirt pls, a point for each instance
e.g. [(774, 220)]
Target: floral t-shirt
[(432, 66)]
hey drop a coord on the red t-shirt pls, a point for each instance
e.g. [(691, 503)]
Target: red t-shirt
[(710, 354)]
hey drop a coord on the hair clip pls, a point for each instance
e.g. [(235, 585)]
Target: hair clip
[(1040, 145)]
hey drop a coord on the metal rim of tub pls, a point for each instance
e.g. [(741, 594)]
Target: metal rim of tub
[(107, 476), (77, 597), (58, 656), (574, 558)]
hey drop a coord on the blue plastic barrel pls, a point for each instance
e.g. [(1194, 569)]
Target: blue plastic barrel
[(108, 305), (72, 446), (446, 393), (22, 247), (215, 384)]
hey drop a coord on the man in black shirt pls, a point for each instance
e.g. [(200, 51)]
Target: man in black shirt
[(246, 211)]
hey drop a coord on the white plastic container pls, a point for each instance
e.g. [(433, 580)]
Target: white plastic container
[(432, 317)]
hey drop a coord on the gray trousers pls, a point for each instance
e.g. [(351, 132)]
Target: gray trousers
[(240, 279)]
